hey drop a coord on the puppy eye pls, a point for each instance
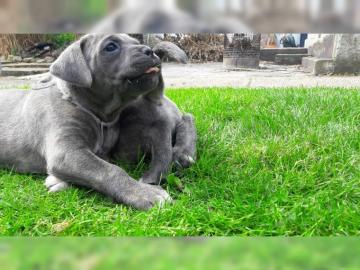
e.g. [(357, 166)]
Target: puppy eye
[(111, 47)]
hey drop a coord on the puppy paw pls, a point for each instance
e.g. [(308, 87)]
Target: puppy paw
[(146, 181), (54, 184), (149, 180), (145, 197), (182, 160)]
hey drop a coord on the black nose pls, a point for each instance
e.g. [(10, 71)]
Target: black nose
[(148, 51)]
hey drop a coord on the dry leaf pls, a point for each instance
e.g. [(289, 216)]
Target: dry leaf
[(59, 227)]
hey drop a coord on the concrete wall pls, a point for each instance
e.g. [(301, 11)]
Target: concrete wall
[(268, 54), (347, 53), (343, 49), (242, 51), (321, 45)]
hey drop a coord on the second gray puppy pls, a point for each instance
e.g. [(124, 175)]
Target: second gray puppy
[(159, 130)]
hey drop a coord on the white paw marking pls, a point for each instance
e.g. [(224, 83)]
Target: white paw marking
[(58, 187), (54, 184), (191, 160), (163, 199)]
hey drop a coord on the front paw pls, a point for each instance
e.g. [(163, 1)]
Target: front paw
[(145, 197), (182, 160), (150, 180), (54, 184)]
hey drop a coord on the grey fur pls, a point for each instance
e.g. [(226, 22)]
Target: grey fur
[(159, 130), (67, 128)]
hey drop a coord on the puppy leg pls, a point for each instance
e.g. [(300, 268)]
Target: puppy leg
[(80, 166), (184, 151), (161, 155), (54, 184)]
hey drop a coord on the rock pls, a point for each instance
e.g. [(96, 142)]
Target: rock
[(17, 59), (29, 60), (49, 59), (14, 58), (56, 53), (27, 65), (16, 72), (41, 61), (152, 40), (171, 51), (318, 66)]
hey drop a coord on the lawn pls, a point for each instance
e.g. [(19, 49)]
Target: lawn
[(231, 253), (270, 162)]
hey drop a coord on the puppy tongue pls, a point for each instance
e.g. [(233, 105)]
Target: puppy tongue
[(152, 70)]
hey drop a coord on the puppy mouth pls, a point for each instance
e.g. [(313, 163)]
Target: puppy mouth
[(151, 70)]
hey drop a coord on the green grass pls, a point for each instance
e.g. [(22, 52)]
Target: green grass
[(62, 40), (271, 162), (178, 253)]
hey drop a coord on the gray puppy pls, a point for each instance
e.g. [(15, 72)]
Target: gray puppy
[(152, 125), (68, 128), (159, 130), (156, 129)]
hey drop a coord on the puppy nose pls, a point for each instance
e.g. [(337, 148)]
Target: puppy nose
[(148, 51)]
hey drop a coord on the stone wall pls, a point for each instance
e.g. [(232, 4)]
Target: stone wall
[(268, 54), (347, 53), (320, 45), (342, 49), (242, 51)]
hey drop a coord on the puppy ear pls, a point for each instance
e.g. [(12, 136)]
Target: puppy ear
[(72, 67)]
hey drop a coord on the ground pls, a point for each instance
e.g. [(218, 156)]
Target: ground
[(270, 162), (269, 75), (214, 75)]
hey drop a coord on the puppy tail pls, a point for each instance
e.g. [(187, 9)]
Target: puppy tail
[(171, 51)]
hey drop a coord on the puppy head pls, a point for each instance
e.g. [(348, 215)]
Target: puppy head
[(116, 62)]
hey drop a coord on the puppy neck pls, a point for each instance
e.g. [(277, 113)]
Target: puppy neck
[(105, 108), (156, 96)]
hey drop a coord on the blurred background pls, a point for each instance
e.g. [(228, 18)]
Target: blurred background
[(26, 26), (158, 16), (195, 253)]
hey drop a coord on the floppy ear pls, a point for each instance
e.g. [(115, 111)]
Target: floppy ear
[(71, 66)]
